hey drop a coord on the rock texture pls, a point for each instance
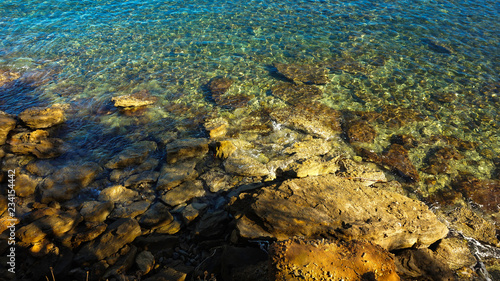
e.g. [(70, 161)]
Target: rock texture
[(296, 94), (185, 149), (298, 259), (7, 123), (133, 155), (37, 143), (328, 205), (138, 99), (42, 118)]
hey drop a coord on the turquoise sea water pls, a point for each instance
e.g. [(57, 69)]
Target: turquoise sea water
[(408, 54)]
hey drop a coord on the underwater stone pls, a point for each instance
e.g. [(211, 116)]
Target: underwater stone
[(303, 73), (37, 143), (216, 127), (7, 123), (172, 175), (296, 94), (42, 118), (95, 211), (219, 85), (156, 214), (132, 155), (8, 76), (183, 193), (186, 148), (138, 99), (360, 131)]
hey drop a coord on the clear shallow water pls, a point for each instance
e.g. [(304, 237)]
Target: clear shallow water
[(95, 50)]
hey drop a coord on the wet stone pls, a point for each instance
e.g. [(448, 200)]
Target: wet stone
[(216, 127), (183, 193), (156, 214), (244, 164), (436, 46), (172, 175), (485, 193), (118, 194), (348, 65), (406, 141), (42, 118), (296, 94), (138, 99), (26, 184), (40, 168), (95, 211), (192, 211), (219, 85), (216, 180), (232, 101), (131, 210), (7, 123), (185, 149), (145, 261), (142, 180), (360, 131), (212, 224), (303, 73), (422, 264), (89, 234), (37, 143), (132, 155), (438, 162), (7, 76)]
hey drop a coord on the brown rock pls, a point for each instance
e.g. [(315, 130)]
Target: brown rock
[(396, 158), (303, 73), (245, 164), (118, 194), (185, 149), (138, 99), (348, 65), (183, 193), (455, 253), (219, 86), (117, 235), (485, 193), (37, 143), (8, 76), (216, 180), (133, 155), (295, 94), (328, 205), (156, 214), (130, 210), (7, 123), (422, 263), (95, 211), (298, 259), (172, 175), (361, 131), (42, 118), (216, 127), (26, 184), (232, 101), (145, 261), (168, 274)]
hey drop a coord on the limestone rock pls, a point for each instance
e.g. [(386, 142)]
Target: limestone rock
[(37, 143), (397, 159), (219, 85), (192, 211), (26, 184), (133, 155), (455, 253), (298, 259), (147, 178), (313, 166), (360, 131), (40, 168), (309, 120), (296, 94), (246, 165), (95, 211), (308, 148), (7, 123), (88, 234), (328, 205), (66, 182), (125, 262), (185, 149), (225, 149), (117, 235), (7, 76), (138, 99), (57, 224), (303, 73), (168, 274), (130, 210), (42, 118), (171, 175), (367, 173), (183, 193), (423, 264), (216, 180), (118, 194), (216, 127), (145, 261), (157, 213)]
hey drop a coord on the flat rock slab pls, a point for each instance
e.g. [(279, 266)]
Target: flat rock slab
[(117, 235), (132, 155), (37, 143), (138, 99), (295, 94), (183, 193), (41, 118), (327, 205), (299, 259), (7, 123), (186, 148), (303, 73)]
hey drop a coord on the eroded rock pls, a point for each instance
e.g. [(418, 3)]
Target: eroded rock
[(295, 94), (135, 100), (7, 123), (185, 149), (303, 73), (328, 205), (183, 193), (171, 175), (132, 155), (37, 143), (42, 118)]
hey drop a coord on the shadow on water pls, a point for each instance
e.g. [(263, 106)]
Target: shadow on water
[(16, 96)]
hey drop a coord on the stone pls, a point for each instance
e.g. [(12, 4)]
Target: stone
[(40, 168), (42, 118), (7, 123), (232, 101), (37, 143), (422, 263), (185, 149), (168, 274), (308, 147), (183, 193), (470, 224), (216, 127), (485, 193), (302, 259), (7, 76), (219, 85), (244, 164), (26, 184), (132, 155), (225, 149), (148, 165), (66, 182), (360, 131), (135, 100), (455, 253), (406, 141), (96, 211), (171, 228), (295, 94), (172, 175), (303, 73), (117, 235), (309, 120), (313, 166), (438, 161), (192, 211), (367, 173), (327, 205), (156, 214), (125, 262), (118, 194), (348, 65), (396, 158), (145, 261), (141, 180), (89, 234), (131, 210), (212, 224), (55, 225), (216, 180), (436, 47)]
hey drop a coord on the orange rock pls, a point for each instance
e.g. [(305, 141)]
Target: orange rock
[(298, 259)]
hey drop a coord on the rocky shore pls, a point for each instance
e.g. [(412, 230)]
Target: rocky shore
[(283, 193)]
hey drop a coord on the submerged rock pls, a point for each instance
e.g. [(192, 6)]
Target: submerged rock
[(437, 47), (37, 143), (118, 194), (7, 76), (219, 85), (172, 175), (7, 123), (183, 193), (348, 65), (296, 94), (303, 73), (438, 162), (330, 206), (185, 149), (132, 155), (485, 193), (42, 118), (95, 211), (396, 158), (138, 99), (216, 127), (117, 235), (302, 259), (26, 184), (360, 131)]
